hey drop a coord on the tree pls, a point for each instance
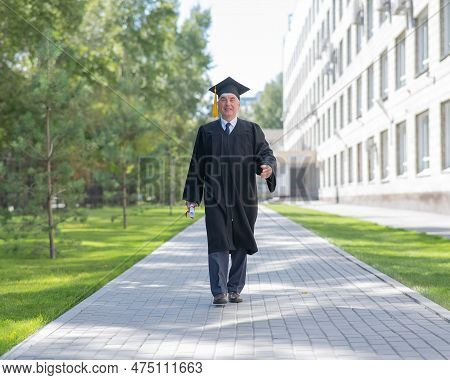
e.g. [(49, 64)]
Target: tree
[(46, 127), (267, 111), (80, 101), (159, 88)]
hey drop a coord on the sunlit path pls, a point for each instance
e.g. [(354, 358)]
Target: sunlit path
[(304, 299)]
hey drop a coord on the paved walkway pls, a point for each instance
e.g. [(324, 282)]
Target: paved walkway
[(304, 299), (428, 222)]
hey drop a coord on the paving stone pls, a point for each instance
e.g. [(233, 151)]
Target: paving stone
[(304, 299)]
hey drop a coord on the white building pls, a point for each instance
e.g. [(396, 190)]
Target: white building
[(367, 97), (295, 178)]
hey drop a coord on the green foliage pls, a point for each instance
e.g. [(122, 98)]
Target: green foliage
[(22, 23), (121, 80), (268, 110), (24, 171)]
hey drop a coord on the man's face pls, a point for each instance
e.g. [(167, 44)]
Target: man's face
[(228, 106)]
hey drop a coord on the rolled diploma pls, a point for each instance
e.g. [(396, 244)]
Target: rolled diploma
[(191, 211)]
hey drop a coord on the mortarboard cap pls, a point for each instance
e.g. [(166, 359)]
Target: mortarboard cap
[(227, 86)]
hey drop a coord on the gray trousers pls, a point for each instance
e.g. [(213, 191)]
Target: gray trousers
[(218, 271)]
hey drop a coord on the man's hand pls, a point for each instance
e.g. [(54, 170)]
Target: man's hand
[(266, 171), (189, 204)]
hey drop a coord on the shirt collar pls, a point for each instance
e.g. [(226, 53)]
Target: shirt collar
[(232, 122)]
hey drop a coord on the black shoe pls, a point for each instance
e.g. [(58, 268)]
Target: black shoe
[(220, 299), (234, 297)]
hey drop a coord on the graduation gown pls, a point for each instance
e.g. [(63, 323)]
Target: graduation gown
[(222, 173)]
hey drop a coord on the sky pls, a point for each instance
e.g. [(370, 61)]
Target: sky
[(245, 38)]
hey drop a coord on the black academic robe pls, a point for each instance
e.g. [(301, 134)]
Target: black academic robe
[(222, 172)]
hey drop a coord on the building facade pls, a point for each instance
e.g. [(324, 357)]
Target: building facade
[(367, 97)]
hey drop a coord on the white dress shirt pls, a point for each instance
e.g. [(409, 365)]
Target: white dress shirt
[(232, 122)]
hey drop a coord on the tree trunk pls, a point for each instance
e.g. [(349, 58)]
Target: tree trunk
[(51, 232), (124, 197), (139, 182), (170, 184)]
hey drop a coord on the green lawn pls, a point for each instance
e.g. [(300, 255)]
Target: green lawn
[(34, 290), (418, 260)]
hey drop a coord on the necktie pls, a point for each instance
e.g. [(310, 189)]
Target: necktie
[(227, 128)]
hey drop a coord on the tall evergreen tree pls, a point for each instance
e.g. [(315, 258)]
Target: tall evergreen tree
[(268, 110), (82, 101)]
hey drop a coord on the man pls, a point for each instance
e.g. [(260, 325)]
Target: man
[(228, 153)]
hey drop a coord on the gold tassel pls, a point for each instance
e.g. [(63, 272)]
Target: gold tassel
[(215, 110)]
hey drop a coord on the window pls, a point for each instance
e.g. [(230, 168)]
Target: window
[(446, 134), (349, 104), (342, 167), (422, 142), (322, 173), (318, 45), (384, 154), (384, 75), (313, 12), (350, 164), (371, 158), (341, 58), (359, 162), (335, 170), (313, 56), (328, 82), (323, 127), (359, 33), (329, 122), (322, 33), (401, 148), (318, 132), (322, 80), (328, 24), (314, 93), (359, 97), (341, 111), (323, 170), (422, 42), (315, 135), (349, 45), (370, 87), (318, 89), (329, 171), (334, 117), (333, 16), (445, 28), (333, 69), (383, 15), (400, 69), (369, 19)]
